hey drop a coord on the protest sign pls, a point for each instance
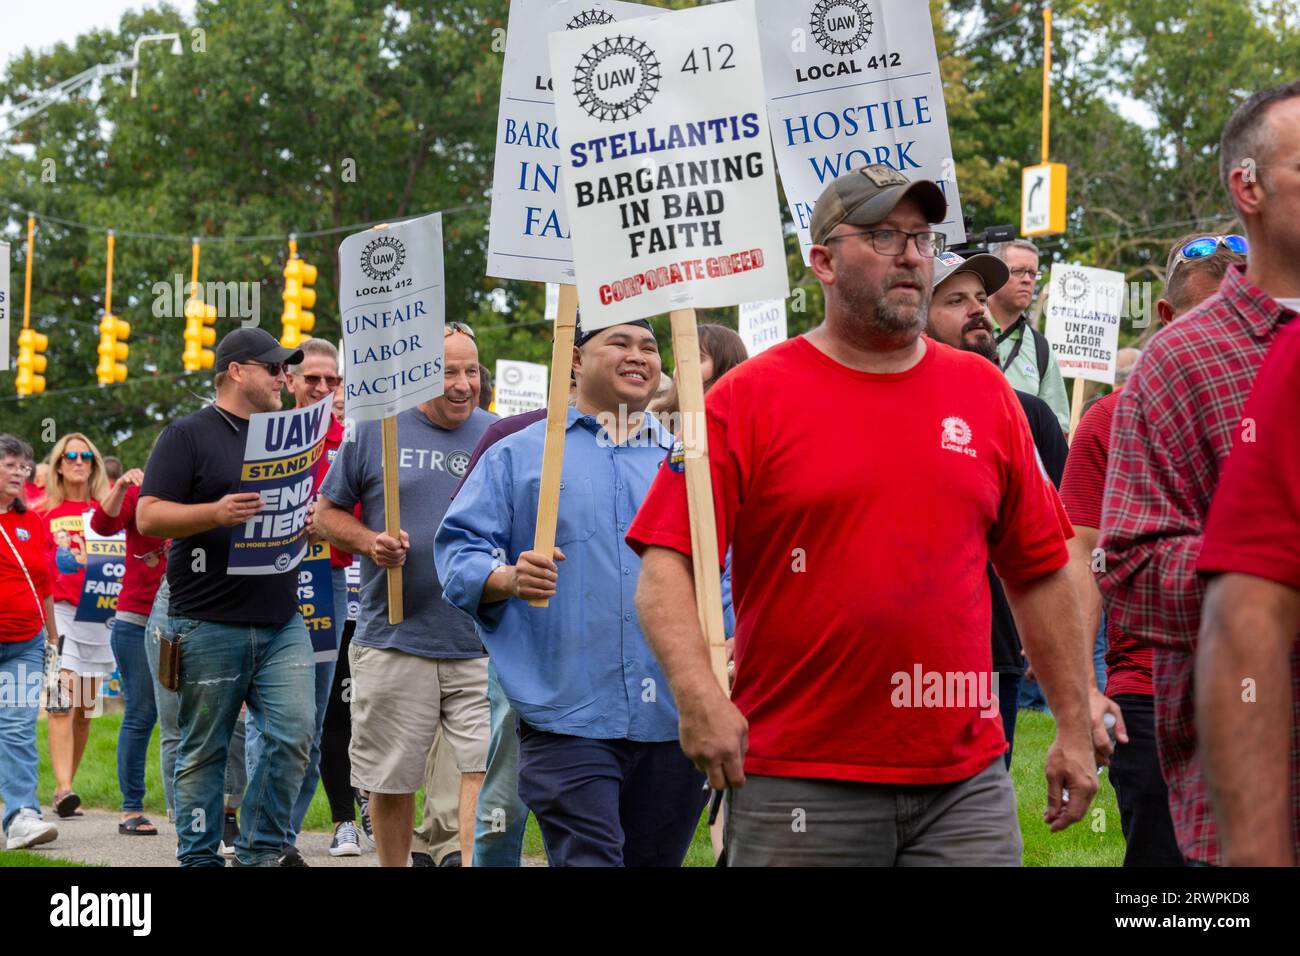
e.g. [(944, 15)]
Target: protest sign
[(1083, 318), (316, 603), (280, 459), (762, 325), (528, 231), (392, 299), (668, 176), (352, 574), (850, 83), (521, 387), (4, 306), (105, 569)]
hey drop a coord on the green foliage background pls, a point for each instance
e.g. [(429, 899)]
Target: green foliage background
[(249, 137)]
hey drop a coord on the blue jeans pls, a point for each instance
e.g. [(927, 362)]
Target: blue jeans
[(501, 817), (140, 715), (165, 702), (222, 666), (22, 675), (253, 747), (1099, 647)]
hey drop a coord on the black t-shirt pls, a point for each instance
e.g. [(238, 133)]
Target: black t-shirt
[(1052, 450), (198, 459)]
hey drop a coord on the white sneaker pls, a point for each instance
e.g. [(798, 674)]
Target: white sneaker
[(28, 829), (346, 842)]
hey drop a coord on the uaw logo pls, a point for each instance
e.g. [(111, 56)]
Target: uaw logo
[(841, 27), (1073, 285), (512, 377), (956, 436), (458, 463), (282, 562), (383, 258), (589, 18), (616, 79)]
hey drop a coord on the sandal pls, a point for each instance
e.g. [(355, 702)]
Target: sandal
[(66, 805), (134, 827)]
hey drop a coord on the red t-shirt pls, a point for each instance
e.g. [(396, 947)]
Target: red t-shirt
[(1083, 490), (146, 557), (861, 511), (23, 615), (1254, 522), (67, 517), (333, 439)]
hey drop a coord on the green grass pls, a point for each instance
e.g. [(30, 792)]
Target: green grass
[(26, 858), (1097, 841)]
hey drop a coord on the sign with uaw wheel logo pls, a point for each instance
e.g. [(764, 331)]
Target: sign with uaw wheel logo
[(528, 234), (1084, 306), (668, 177), (392, 299), (850, 83)]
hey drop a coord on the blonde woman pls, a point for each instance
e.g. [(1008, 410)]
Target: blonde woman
[(76, 482)]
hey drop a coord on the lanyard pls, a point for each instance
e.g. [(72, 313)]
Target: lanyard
[(1015, 349)]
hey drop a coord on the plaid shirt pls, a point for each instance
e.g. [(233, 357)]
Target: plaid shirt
[(1174, 427)]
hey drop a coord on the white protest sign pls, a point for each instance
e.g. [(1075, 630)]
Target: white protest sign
[(4, 306), (850, 83), (669, 177), (1083, 316), (521, 387), (392, 299), (552, 302), (528, 231), (762, 325)]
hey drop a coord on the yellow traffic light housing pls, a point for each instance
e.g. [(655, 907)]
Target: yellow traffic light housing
[(199, 335), (31, 362), (299, 297), (113, 333)]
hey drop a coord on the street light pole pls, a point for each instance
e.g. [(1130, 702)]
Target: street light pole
[(151, 38)]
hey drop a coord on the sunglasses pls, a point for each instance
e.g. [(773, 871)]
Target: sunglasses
[(332, 381), (83, 455), (274, 369), (452, 327), (1206, 246)]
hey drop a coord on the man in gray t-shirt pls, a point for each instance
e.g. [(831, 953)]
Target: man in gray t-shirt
[(429, 672)]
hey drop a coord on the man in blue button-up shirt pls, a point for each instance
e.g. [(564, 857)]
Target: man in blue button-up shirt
[(599, 762)]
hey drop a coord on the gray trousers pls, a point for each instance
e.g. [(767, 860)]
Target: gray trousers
[(794, 821)]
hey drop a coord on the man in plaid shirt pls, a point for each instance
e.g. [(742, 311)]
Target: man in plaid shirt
[(1174, 427)]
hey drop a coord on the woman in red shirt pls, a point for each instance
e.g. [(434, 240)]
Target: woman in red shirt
[(25, 595), (76, 482), (146, 563)]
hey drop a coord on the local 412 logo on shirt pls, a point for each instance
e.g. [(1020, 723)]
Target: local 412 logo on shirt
[(24, 534), (956, 436)]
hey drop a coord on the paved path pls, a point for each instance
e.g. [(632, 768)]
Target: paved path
[(93, 838)]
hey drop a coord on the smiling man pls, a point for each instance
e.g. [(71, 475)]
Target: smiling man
[(599, 762), (430, 670)]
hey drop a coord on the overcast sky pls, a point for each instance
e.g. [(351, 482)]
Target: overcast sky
[(43, 23)]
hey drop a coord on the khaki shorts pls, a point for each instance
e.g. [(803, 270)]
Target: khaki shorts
[(398, 701)]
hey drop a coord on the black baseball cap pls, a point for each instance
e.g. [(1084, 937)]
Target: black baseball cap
[(252, 344)]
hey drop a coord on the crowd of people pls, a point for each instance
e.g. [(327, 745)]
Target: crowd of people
[(899, 579)]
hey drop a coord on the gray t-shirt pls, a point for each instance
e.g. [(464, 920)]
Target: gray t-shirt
[(430, 463)]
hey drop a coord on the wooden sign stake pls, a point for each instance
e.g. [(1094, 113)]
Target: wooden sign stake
[(557, 417), (699, 491), (1076, 406)]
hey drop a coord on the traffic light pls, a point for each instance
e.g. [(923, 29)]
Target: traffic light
[(113, 333), (199, 335), (31, 361), (298, 297)]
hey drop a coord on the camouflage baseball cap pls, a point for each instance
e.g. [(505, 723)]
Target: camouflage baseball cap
[(867, 195)]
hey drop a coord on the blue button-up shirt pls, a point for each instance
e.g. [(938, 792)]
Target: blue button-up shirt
[(580, 666)]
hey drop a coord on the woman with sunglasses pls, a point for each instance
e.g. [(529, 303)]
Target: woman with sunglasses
[(76, 483)]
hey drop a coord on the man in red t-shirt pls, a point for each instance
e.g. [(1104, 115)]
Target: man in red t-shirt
[(860, 732), (1140, 790), (1246, 700)]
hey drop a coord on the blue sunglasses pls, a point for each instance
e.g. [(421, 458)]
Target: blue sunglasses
[(1206, 246)]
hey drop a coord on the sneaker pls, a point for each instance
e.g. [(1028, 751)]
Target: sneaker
[(229, 835), (28, 829), (289, 856), (345, 842), (366, 828), (451, 859), (421, 859)]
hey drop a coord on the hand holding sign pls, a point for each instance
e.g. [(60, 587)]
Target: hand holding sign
[(235, 509), (389, 552)]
